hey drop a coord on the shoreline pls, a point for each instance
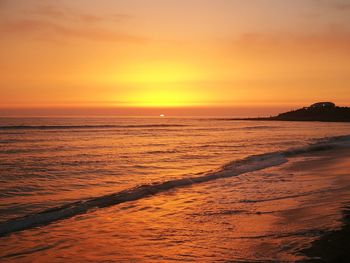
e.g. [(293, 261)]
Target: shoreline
[(333, 246), (249, 164), (297, 203)]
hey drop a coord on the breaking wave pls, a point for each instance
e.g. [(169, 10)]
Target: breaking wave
[(237, 167)]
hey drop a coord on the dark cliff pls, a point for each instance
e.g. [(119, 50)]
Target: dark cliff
[(322, 111)]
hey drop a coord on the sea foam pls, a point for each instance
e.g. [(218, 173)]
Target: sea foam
[(234, 168)]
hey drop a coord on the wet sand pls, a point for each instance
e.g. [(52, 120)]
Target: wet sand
[(285, 213), (332, 246)]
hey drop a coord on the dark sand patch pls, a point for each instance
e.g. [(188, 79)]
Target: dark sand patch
[(334, 246)]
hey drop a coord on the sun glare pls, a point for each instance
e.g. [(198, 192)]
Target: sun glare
[(161, 85), (161, 72), (161, 96)]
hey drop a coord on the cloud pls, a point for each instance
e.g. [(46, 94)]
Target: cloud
[(51, 22), (48, 30), (333, 39), (55, 12), (339, 5)]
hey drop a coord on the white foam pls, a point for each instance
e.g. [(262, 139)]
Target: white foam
[(249, 164)]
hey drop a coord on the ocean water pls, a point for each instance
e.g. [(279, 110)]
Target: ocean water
[(153, 189)]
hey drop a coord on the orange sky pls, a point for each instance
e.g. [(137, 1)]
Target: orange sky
[(189, 54)]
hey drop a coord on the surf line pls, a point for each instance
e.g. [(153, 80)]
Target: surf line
[(235, 168)]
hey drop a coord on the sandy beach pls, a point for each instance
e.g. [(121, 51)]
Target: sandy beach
[(330, 168), (333, 245)]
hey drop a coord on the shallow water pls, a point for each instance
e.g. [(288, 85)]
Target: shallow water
[(47, 163)]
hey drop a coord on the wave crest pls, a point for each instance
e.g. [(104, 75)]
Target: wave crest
[(248, 164)]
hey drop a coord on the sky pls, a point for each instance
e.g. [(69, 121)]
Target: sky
[(205, 57)]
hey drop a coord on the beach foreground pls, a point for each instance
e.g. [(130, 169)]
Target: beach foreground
[(275, 214), (333, 246)]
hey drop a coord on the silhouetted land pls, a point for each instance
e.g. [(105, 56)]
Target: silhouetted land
[(322, 111), (333, 246)]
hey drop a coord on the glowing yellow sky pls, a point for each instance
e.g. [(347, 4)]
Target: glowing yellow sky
[(173, 53)]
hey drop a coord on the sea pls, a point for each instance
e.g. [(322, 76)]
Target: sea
[(157, 189)]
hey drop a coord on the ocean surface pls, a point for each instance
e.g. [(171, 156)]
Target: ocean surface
[(153, 189)]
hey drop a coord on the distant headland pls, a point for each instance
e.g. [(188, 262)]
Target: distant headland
[(321, 111)]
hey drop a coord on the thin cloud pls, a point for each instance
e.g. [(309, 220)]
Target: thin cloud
[(48, 29), (333, 39), (55, 12), (341, 6), (338, 5)]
